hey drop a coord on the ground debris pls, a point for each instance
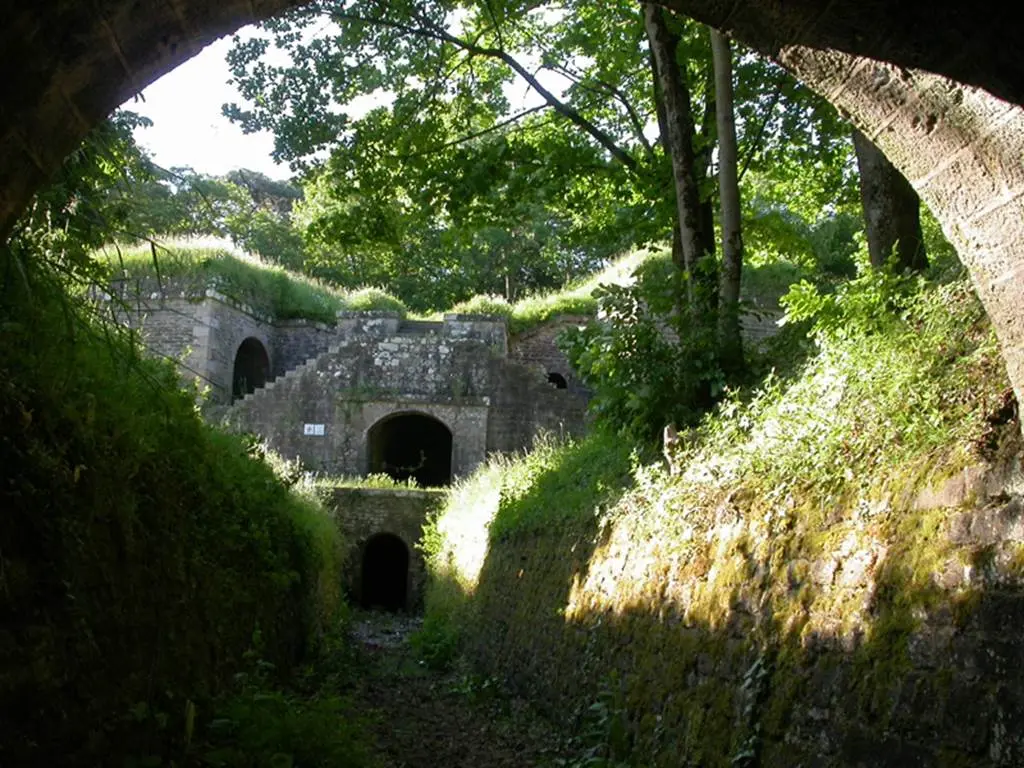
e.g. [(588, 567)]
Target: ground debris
[(453, 719)]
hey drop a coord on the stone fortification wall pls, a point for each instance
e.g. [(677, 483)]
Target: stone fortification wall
[(198, 328), (379, 365), (538, 349), (887, 633), (297, 341), (362, 513)]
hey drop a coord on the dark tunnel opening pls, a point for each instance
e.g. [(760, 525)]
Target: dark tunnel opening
[(251, 369), (557, 380), (385, 573), (412, 445)]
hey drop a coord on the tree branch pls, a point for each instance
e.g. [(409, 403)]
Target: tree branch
[(634, 117), (751, 148), (475, 135), (430, 31)]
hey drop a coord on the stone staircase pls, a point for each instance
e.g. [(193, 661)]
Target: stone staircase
[(281, 382)]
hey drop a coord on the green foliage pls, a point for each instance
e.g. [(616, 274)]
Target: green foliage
[(535, 310), (76, 212), (366, 299), (437, 642), (903, 369), (269, 289), (378, 480), (140, 548), (486, 304), (557, 481), (262, 726), (648, 362), (858, 307), (603, 739)]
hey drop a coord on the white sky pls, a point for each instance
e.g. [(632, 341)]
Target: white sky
[(189, 130), (188, 127)]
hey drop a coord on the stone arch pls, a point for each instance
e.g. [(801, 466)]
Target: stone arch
[(961, 147), (384, 572), (411, 444), (251, 368), (557, 380)]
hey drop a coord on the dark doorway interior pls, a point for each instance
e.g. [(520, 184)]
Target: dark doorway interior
[(385, 573), (252, 368), (412, 445), (557, 380)]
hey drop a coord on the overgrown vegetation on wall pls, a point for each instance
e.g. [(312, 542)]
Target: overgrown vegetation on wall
[(143, 554), (792, 585), (268, 289)]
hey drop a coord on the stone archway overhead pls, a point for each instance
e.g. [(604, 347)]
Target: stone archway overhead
[(71, 63)]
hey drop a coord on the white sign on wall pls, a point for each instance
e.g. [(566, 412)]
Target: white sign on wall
[(313, 429)]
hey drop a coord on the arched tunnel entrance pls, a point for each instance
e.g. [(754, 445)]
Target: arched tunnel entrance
[(411, 445), (251, 369), (384, 573)]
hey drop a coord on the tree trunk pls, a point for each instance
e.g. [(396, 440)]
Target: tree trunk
[(730, 341), (892, 210), (679, 144)]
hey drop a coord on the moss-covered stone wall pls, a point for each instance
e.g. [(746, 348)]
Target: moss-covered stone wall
[(886, 629)]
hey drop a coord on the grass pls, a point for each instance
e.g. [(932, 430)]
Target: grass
[(574, 299), (374, 481), (192, 266), (147, 518), (907, 403), (584, 551), (271, 290)]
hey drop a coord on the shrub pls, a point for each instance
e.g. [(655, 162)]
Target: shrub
[(140, 548), (646, 361)]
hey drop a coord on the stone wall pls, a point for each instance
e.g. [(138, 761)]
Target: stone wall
[(362, 513), (379, 365), (200, 329), (298, 341), (329, 385), (761, 322), (879, 631), (537, 349)]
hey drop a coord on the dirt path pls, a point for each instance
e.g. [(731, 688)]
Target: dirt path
[(427, 719)]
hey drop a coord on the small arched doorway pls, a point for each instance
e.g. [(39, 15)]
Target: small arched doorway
[(251, 369), (411, 445), (384, 573), (557, 380)]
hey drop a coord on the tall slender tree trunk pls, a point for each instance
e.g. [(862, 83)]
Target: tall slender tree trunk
[(659, 107), (678, 141), (730, 340), (892, 209)]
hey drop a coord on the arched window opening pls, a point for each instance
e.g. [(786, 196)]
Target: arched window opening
[(412, 445), (557, 380), (385, 573), (251, 370)]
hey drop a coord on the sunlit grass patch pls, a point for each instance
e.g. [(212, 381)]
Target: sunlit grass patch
[(266, 288)]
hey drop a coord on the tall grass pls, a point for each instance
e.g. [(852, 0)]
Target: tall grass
[(266, 288), (900, 403)]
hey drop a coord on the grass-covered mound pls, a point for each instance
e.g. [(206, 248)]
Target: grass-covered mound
[(793, 592), (268, 289), (762, 286), (142, 553)]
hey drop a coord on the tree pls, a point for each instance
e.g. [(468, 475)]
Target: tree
[(892, 210), (679, 142), (730, 340)]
